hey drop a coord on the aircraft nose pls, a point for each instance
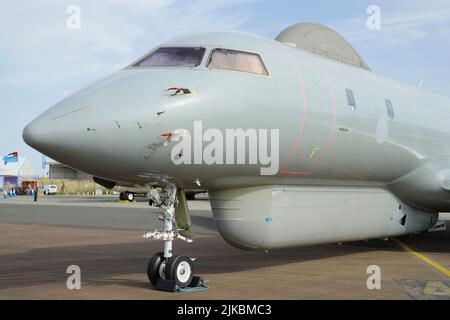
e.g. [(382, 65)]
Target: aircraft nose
[(36, 134), (64, 132)]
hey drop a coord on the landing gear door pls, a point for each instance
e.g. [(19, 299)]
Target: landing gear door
[(182, 216)]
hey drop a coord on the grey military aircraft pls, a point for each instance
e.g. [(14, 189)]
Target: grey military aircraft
[(319, 149)]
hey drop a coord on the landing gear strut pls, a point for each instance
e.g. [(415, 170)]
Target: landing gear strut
[(164, 265)]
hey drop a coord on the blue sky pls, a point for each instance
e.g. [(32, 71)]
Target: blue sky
[(42, 61)]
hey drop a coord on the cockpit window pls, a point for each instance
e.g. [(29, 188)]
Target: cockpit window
[(237, 61), (172, 57)]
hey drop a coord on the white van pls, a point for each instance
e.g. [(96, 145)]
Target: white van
[(50, 189)]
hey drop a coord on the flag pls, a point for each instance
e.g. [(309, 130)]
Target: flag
[(12, 157)]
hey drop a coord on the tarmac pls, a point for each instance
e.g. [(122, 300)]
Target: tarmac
[(40, 240)]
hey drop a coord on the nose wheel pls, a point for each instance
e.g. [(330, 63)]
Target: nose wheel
[(163, 266), (178, 268), (156, 268)]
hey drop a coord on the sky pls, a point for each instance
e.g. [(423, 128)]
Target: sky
[(42, 60)]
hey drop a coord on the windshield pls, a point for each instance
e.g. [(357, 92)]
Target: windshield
[(172, 57), (237, 61)]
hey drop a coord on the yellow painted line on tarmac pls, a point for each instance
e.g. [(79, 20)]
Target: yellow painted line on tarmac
[(422, 257)]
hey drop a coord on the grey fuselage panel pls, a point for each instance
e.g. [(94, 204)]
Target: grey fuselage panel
[(114, 128)]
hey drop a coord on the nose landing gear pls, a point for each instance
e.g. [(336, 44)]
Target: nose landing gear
[(178, 268), (164, 269)]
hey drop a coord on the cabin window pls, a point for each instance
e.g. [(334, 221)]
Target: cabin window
[(172, 57), (390, 109), (237, 61), (351, 99)]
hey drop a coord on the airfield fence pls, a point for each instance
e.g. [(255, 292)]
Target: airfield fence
[(75, 187)]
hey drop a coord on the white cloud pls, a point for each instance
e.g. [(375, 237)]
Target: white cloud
[(41, 61), (402, 25), (37, 49)]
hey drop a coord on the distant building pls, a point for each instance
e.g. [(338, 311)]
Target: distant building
[(58, 170), (16, 174)]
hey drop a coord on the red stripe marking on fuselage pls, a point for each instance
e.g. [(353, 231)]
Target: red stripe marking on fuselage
[(330, 136), (298, 140), (333, 126)]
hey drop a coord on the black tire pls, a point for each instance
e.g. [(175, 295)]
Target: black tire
[(153, 267), (121, 196), (129, 196), (180, 269)]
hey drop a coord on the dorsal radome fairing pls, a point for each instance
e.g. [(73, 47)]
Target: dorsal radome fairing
[(321, 40)]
